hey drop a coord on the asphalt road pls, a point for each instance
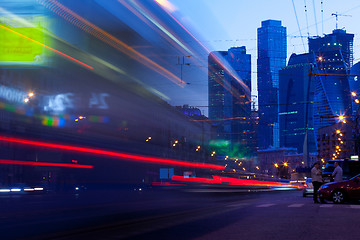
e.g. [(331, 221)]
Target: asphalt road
[(176, 215)]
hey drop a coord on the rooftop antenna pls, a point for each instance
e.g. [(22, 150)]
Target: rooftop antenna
[(337, 17)]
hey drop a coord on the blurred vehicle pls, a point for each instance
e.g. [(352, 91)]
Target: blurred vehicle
[(308, 188), (339, 192), (350, 169)]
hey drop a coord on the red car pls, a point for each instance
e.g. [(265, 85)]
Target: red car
[(339, 192)]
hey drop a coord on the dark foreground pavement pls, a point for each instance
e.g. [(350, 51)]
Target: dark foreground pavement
[(159, 214)]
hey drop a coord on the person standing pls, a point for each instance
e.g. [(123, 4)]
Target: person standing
[(338, 173), (317, 180)]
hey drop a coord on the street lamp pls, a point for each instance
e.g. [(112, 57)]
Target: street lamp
[(342, 118)]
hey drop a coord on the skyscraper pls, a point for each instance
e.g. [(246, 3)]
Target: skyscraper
[(334, 55), (271, 58), (295, 108), (228, 100), (216, 88), (239, 109)]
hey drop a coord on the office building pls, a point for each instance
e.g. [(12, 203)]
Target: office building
[(332, 98), (271, 58), (296, 111), (216, 90), (355, 87), (229, 104), (333, 141)]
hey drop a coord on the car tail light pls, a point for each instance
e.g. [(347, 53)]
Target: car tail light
[(305, 185)]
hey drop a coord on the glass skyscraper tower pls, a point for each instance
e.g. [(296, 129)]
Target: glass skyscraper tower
[(271, 58), (229, 104), (334, 55), (216, 80), (295, 97)]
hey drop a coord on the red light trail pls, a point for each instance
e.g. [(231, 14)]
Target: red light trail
[(107, 153), (44, 164), (227, 181)]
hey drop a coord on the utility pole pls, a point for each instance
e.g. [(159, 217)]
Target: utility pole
[(182, 63)]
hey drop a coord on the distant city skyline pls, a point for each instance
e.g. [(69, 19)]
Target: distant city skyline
[(220, 25)]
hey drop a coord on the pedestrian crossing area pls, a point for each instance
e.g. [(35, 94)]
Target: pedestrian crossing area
[(293, 205), (266, 205), (300, 205), (296, 205), (326, 205)]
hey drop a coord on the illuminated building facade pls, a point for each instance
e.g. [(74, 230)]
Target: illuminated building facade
[(271, 58), (216, 76), (295, 108), (228, 101), (354, 82), (334, 55), (334, 141)]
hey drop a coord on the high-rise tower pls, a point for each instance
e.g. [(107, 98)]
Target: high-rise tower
[(271, 58), (295, 104), (229, 105), (216, 81), (334, 55)]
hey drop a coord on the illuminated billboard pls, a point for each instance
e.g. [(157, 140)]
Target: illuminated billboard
[(21, 43)]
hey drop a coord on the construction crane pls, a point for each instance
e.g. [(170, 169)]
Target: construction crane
[(337, 15)]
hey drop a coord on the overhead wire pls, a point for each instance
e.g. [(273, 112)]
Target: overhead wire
[(297, 21), (322, 16), (316, 23), (307, 21), (329, 18)]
